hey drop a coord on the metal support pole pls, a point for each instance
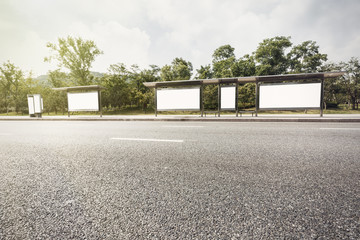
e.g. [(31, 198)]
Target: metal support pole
[(100, 107), (322, 98), (219, 100), (67, 95), (236, 98), (155, 101), (256, 98), (202, 100)]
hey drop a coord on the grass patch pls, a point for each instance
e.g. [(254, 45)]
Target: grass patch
[(138, 111)]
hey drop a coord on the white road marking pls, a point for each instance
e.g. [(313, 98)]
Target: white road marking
[(149, 140), (183, 126), (5, 134), (358, 129)]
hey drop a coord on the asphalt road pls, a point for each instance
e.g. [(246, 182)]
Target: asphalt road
[(179, 180)]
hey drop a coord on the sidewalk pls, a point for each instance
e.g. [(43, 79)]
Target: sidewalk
[(222, 118)]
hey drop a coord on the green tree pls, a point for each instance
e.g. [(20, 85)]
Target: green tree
[(306, 58), (210, 97), (223, 53), (166, 73), (12, 87), (140, 94), (205, 72), (350, 81), (244, 67), (223, 61), (334, 92), (270, 56), (117, 93), (179, 69), (139, 76), (77, 55), (58, 79), (182, 69), (247, 95), (56, 100), (345, 88)]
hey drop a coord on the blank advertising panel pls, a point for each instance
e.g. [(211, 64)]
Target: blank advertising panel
[(37, 103), (287, 96), (228, 97), (178, 99), (86, 101), (31, 104)]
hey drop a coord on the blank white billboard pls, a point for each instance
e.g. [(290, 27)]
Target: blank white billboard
[(228, 97), (86, 101), (31, 105), (178, 99), (35, 103), (286, 96)]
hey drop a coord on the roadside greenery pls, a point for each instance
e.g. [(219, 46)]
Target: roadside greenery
[(126, 94)]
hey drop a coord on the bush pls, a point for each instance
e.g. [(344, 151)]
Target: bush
[(332, 105)]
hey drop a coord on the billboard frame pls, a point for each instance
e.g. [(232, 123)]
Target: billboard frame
[(321, 108), (184, 109), (235, 97), (83, 89), (289, 108)]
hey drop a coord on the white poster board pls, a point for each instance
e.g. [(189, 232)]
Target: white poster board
[(85, 101), (290, 96), (35, 103), (228, 97), (31, 105), (178, 99)]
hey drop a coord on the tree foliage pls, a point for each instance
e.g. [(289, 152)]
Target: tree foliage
[(270, 56), (179, 69), (11, 86), (125, 85), (223, 61), (76, 55), (351, 81), (306, 58), (205, 72)]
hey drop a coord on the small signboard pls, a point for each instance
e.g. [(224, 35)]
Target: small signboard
[(35, 104)]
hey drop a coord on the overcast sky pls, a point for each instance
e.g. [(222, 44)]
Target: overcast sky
[(148, 32)]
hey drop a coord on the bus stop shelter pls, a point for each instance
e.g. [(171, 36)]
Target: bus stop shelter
[(272, 92), (83, 98)]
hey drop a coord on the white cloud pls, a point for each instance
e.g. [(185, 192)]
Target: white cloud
[(155, 31), (119, 44)]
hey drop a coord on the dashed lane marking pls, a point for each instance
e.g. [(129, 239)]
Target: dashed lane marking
[(149, 140)]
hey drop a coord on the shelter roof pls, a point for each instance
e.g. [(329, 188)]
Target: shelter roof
[(80, 88), (269, 78)]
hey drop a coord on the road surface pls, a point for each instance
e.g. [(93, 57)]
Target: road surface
[(179, 180)]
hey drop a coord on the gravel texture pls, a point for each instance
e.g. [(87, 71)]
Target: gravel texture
[(71, 180)]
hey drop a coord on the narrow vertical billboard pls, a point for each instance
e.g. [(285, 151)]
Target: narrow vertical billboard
[(178, 99), (31, 105), (290, 96), (228, 97), (84, 101), (35, 103)]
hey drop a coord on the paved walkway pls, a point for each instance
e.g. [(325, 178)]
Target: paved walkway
[(223, 118)]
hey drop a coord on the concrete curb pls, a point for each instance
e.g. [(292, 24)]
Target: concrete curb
[(189, 119)]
